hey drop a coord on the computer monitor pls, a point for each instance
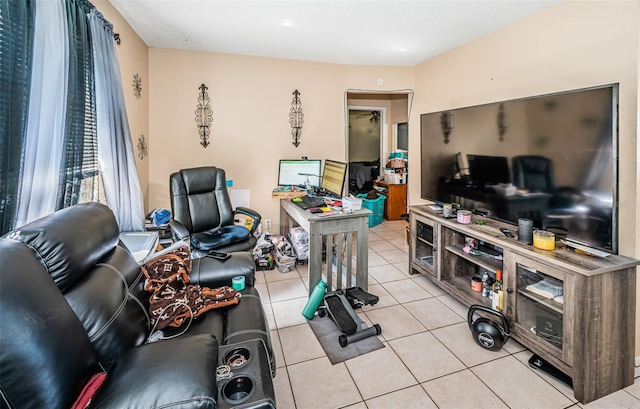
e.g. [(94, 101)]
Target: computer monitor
[(489, 170), (299, 172), (333, 177)]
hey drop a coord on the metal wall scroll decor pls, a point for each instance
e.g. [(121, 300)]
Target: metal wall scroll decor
[(296, 118), (446, 122), (502, 122), (143, 149), (204, 115), (137, 86)]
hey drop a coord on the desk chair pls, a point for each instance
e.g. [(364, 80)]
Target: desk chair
[(568, 208), (534, 173), (202, 209)]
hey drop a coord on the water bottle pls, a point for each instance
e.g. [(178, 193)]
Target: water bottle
[(314, 300), (486, 288)]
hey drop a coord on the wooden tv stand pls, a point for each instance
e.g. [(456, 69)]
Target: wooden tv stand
[(588, 331)]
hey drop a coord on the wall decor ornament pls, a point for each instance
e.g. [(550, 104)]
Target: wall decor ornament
[(143, 149), (137, 86), (204, 115), (502, 122), (296, 118), (446, 122)]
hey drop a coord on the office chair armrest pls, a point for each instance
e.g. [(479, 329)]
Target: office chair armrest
[(178, 230), (255, 216)]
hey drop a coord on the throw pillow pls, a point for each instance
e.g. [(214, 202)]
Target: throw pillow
[(89, 390)]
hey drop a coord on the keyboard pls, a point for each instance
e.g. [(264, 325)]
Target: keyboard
[(310, 201)]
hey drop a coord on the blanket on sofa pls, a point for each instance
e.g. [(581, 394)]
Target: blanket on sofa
[(173, 300)]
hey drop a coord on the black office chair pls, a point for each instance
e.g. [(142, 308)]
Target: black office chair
[(202, 210), (534, 173), (566, 205)]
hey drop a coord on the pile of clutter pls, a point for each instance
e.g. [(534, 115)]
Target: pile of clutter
[(395, 171), (281, 252), (285, 255), (263, 253)]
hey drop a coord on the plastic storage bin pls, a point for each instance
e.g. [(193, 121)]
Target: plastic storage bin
[(376, 206)]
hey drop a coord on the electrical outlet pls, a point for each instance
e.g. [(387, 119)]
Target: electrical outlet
[(267, 225)]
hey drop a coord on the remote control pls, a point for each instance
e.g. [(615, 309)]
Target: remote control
[(218, 255), (506, 232)]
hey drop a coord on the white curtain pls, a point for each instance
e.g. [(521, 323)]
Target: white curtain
[(44, 142), (115, 149)]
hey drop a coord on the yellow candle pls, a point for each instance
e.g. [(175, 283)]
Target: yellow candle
[(544, 240)]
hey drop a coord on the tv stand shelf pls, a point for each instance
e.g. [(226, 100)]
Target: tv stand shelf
[(575, 311), (489, 264)]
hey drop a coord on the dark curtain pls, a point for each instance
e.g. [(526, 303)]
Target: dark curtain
[(16, 39), (81, 141), (68, 27)]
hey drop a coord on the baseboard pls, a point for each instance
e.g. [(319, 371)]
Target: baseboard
[(637, 363)]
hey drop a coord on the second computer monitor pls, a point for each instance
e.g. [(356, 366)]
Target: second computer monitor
[(333, 177)]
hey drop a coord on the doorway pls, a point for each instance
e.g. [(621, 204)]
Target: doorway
[(366, 140), (367, 161)]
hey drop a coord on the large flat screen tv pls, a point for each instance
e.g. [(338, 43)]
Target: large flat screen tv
[(559, 151)]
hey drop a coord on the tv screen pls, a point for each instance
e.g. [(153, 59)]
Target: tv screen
[(558, 150), (333, 177), (299, 172)]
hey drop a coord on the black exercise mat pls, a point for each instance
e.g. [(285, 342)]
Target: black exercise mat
[(328, 332)]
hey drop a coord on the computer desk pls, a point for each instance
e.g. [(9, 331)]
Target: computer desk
[(322, 229)]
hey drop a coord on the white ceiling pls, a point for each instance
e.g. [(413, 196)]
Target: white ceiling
[(371, 32)]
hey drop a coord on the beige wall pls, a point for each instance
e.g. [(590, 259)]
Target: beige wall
[(133, 55), (250, 98)]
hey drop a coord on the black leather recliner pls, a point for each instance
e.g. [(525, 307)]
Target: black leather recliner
[(202, 210), (72, 304)]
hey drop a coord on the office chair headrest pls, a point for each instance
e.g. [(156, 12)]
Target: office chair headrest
[(201, 180)]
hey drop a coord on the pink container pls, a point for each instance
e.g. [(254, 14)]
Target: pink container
[(464, 217)]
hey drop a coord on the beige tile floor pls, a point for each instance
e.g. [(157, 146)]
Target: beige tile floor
[(429, 359)]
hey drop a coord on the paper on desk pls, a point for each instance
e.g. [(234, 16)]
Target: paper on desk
[(240, 198)]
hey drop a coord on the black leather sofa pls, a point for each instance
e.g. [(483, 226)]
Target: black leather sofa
[(72, 304)]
